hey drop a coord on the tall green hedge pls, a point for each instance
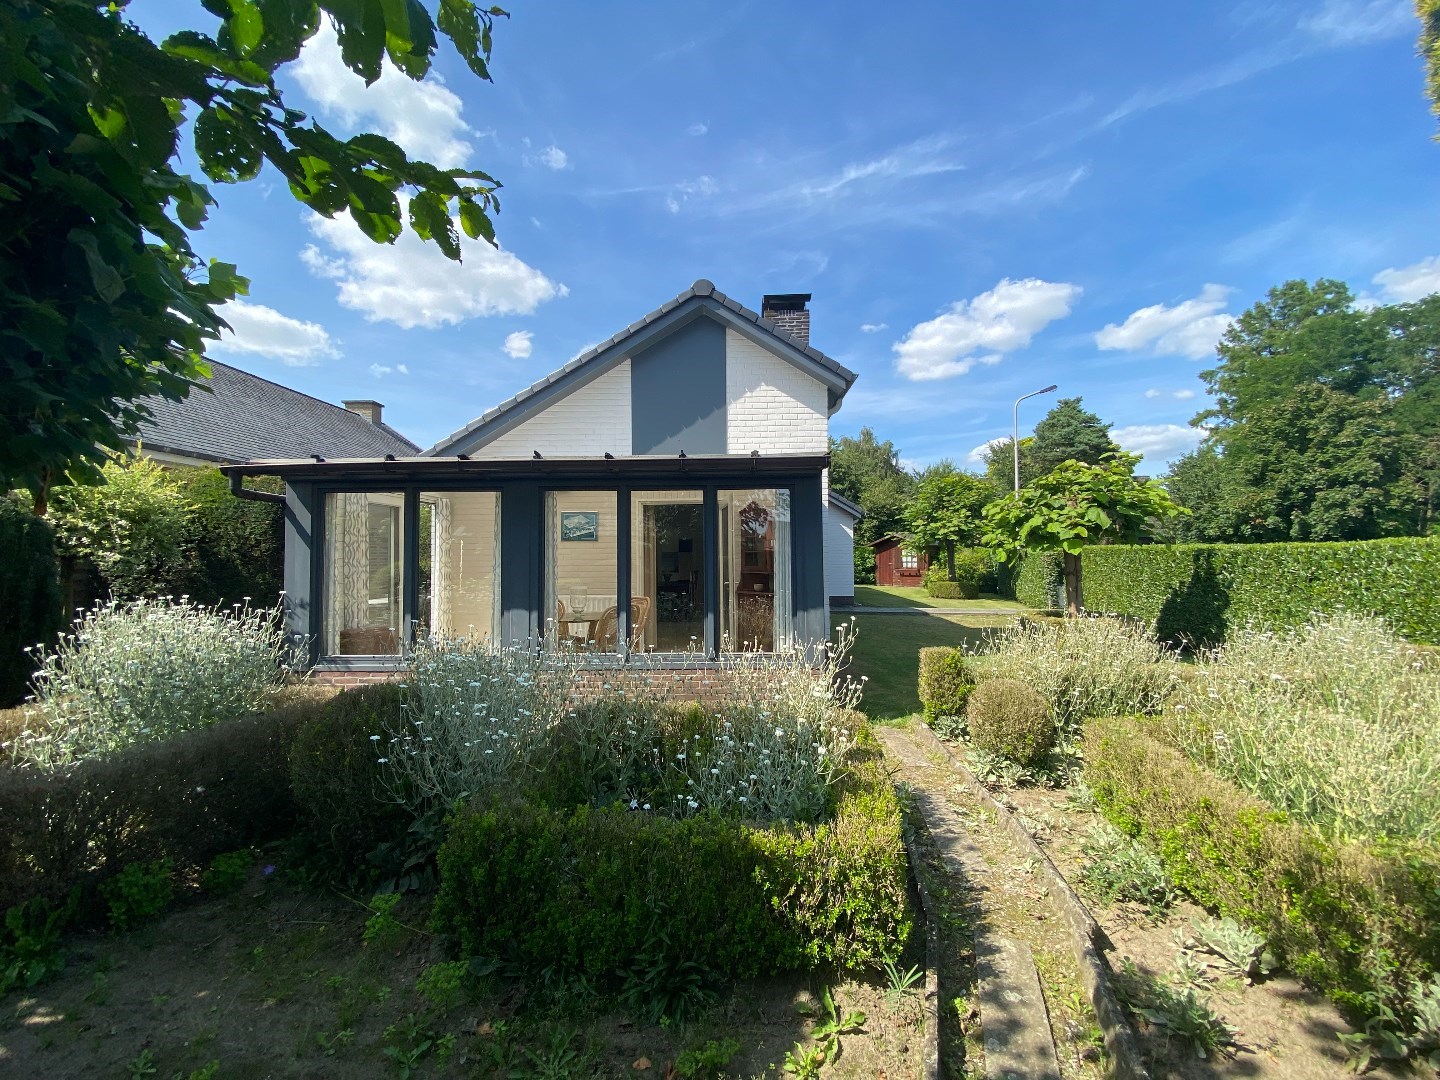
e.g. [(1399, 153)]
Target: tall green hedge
[(1199, 592), (1037, 580), (30, 611)]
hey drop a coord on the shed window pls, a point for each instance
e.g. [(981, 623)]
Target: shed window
[(909, 560)]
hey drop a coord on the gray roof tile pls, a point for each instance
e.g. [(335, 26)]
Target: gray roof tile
[(244, 417)]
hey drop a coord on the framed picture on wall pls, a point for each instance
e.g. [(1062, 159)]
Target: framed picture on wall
[(579, 525)]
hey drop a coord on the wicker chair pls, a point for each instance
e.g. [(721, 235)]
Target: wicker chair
[(607, 627)]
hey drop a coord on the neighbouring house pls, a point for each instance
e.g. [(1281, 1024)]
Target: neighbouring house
[(233, 417), (896, 563), (666, 491)]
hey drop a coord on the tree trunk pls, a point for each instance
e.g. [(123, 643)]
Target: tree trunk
[(1074, 601), (950, 558)]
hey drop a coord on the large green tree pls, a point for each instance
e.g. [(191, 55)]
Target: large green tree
[(1429, 12), (946, 510), (103, 300), (868, 472), (1074, 506), (1068, 432)]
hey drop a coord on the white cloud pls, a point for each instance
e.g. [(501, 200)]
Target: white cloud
[(982, 330), (410, 283), (381, 370), (702, 187), (1359, 22), (423, 117), (1158, 442), (552, 157), (977, 456), (1178, 395), (517, 345), (873, 327), (697, 129), (1404, 284), (1152, 393), (263, 331), (1190, 328)]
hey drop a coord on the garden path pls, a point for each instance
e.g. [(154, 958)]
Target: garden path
[(1034, 1018)]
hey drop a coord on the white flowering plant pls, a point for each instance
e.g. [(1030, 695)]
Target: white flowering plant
[(144, 670), (479, 718)]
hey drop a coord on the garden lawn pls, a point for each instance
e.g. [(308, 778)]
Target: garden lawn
[(887, 651), (903, 596)]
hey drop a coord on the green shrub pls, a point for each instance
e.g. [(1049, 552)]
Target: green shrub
[(1352, 918), (1122, 868), (145, 670), (1039, 580), (946, 679), (186, 799), (601, 891), (29, 595), (335, 774), (139, 892), (30, 937), (227, 872), (1083, 667), (972, 568), (1010, 719), (1201, 593), (238, 544)]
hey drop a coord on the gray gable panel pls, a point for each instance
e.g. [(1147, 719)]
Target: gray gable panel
[(700, 298), (234, 416), (677, 392)]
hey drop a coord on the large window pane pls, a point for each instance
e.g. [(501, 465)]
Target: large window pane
[(667, 570), (363, 573), (581, 567), (755, 597), (459, 564)]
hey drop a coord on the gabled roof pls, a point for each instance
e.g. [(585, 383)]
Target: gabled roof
[(234, 416), (853, 509), (700, 298)]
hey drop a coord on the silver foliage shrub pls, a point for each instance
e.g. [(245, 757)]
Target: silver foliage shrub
[(1084, 667), (144, 670), (1337, 722)]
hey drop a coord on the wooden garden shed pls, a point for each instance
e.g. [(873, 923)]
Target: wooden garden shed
[(896, 564)]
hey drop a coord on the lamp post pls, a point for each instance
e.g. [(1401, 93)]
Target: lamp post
[(1015, 429)]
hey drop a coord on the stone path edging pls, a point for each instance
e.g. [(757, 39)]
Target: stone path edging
[(1086, 935), (930, 1054)]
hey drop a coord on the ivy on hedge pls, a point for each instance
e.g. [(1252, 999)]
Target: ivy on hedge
[(599, 891), (1348, 917), (1197, 593)]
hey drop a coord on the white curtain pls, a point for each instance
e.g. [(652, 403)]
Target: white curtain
[(784, 624), (347, 557), (442, 567)]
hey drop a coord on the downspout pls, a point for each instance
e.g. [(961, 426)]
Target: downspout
[(240, 491)]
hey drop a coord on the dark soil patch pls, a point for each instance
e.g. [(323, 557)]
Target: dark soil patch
[(275, 982)]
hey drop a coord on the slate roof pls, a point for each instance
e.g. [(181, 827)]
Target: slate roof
[(701, 290), (243, 417), (853, 509)]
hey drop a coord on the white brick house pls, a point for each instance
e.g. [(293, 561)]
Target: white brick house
[(666, 491)]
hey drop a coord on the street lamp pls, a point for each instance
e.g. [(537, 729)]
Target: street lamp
[(1015, 430)]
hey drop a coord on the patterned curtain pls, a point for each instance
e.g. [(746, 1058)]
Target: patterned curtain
[(782, 559), (347, 537), (442, 567)]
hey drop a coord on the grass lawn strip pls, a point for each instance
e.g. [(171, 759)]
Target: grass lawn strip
[(1003, 894), (886, 649), (908, 596)]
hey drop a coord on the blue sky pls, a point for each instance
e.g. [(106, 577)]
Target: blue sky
[(982, 198)]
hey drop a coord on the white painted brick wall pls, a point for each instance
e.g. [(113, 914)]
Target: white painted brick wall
[(839, 553), (772, 406), (592, 421)]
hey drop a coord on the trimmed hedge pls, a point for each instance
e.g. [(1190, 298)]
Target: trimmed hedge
[(1038, 580), (1011, 719), (945, 681), (599, 891), (1198, 593), (29, 595), (186, 799), (1327, 907)]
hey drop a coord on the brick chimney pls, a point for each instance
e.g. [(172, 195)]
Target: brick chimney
[(790, 314), (370, 410)]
